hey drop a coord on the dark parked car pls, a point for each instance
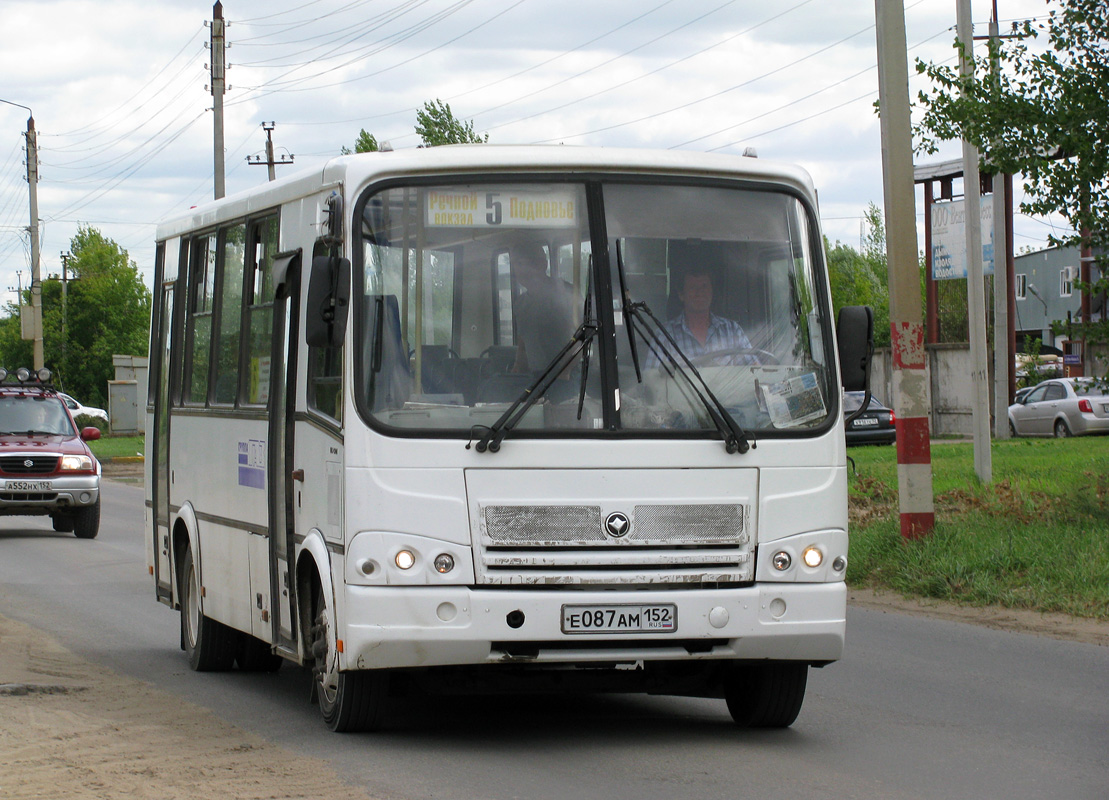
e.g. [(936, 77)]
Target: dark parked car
[(876, 425), (1061, 407)]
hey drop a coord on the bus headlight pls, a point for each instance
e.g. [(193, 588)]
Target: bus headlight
[(380, 558), (811, 557)]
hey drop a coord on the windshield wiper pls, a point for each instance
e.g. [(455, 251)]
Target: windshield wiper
[(736, 440), (495, 434), (625, 303), (587, 348)]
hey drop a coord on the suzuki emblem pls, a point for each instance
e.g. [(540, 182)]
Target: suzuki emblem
[(28, 463)]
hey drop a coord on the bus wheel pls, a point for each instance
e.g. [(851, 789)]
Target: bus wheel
[(766, 695), (209, 645), (349, 701), (86, 521), (254, 655)]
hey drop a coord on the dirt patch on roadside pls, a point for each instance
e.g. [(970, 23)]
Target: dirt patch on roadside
[(1057, 626), (70, 729)]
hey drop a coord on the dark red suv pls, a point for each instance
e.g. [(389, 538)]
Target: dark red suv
[(45, 465)]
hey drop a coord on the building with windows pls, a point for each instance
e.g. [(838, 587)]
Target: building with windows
[(1045, 284)]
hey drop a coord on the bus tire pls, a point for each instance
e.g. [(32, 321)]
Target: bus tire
[(86, 521), (766, 695), (254, 655), (209, 645), (348, 701)]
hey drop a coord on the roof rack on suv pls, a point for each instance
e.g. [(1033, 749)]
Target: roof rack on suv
[(23, 375)]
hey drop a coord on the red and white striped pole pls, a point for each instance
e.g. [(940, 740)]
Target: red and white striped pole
[(910, 382)]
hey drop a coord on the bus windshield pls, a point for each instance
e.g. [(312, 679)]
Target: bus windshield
[(653, 307)]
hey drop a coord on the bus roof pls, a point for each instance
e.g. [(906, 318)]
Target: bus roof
[(356, 170)]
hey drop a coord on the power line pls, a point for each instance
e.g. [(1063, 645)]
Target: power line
[(714, 95), (616, 58), (504, 79), (126, 103), (280, 83)]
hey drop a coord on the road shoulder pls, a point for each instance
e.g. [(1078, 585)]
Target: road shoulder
[(70, 729), (1057, 626)]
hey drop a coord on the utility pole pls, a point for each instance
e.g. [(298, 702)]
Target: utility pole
[(35, 332), (910, 381), (218, 86), (270, 162), (36, 278), (1002, 357), (65, 286), (976, 295)]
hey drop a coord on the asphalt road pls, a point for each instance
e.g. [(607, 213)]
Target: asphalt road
[(918, 708)]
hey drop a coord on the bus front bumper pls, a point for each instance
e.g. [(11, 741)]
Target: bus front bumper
[(395, 626)]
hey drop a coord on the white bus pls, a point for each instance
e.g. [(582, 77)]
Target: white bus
[(480, 417)]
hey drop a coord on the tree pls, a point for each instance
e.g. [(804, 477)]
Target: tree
[(436, 125), (861, 278), (107, 313), (365, 143), (1043, 116)]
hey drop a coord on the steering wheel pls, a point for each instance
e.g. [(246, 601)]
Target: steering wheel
[(710, 359)]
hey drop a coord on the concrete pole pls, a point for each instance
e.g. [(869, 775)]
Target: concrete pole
[(976, 293), (65, 291), (36, 275), (910, 378), (269, 150), (218, 85), (1002, 358)]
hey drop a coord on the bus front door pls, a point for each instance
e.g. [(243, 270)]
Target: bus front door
[(163, 579), (282, 409)]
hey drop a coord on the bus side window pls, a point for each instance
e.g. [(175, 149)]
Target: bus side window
[(325, 372), (202, 275), (259, 299), (233, 251)]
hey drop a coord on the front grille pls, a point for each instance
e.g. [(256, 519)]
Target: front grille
[(667, 544), (28, 465), (28, 497), (536, 525)]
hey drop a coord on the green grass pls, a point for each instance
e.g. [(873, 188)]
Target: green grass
[(117, 446), (1036, 537)]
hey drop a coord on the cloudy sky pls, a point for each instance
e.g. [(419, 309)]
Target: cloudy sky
[(120, 100)]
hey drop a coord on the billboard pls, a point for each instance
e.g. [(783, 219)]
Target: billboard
[(949, 244)]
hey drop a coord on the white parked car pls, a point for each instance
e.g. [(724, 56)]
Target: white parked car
[(1061, 407), (76, 409)]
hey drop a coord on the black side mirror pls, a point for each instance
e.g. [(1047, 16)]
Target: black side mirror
[(328, 301), (855, 334)]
